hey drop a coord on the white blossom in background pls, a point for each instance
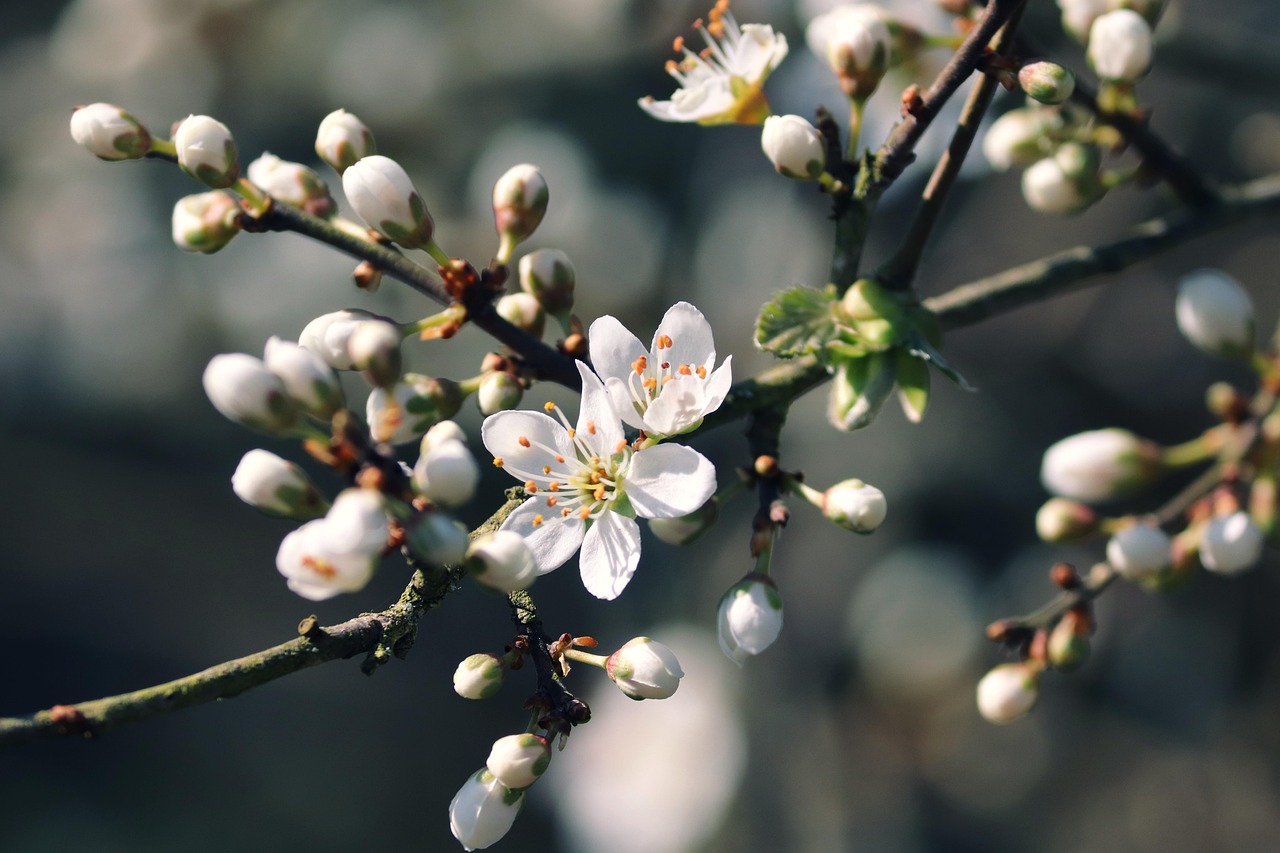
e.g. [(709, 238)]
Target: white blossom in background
[(645, 669), (667, 388), (277, 486), (1008, 692), (109, 132), (1046, 82), (245, 391), (518, 760), (1099, 465), (499, 391), (1140, 552), (410, 407), (854, 40), (1120, 46), (1231, 544), (438, 538), (446, 472), (589, 485), (205, 222), (722, 84), (207, 152), (291, 183), (307, 379), (342, 139), (328, 335), (1078, 15), (374, 350), (1215, 313), (382, 194), (1020, 137), (750, 618), (1067, 182), (337, 553), (501, 560), (483, 811), (794, 147)]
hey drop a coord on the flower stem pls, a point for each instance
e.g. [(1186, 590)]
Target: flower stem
[(580, 656), (259, 202), (440, 256), (856, 109)]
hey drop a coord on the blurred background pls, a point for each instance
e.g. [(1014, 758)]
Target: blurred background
[(128, 561)]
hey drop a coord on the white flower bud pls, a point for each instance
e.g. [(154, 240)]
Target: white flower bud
[(109, 132), (750, 617), (855, 506), (502, 561), (244, 390), (518, 760), (1231, 544), (523, 311), (794, 147), (438, 538), (1019, 137), (374, 348), (519, 202), (1215, 313), (382, 195), (207, 152), (1078, 15), (478, 676), (1140, 552), (686, 528), (498, 392), (446, 473), (442, 432), (855, 42), (1099, 465), (292, 183), (1120, 46), (411, 407), (307, 379), (276, 486), (356, 523), (483, 811), (1064, 520), (1067, 182), (328, 334), (1046, 82), (645, 669), (342, 139), (317, 571), (548, 276), (1008, 692), (205, 222)]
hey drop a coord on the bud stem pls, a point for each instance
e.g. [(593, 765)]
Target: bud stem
[(454, 315), (259, 202), (1197, 450), (586, 657), (856, 106), (163, 148), (440, 256)]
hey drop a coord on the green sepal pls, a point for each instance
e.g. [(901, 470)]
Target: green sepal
[(912, 375), (797, 321), (922, 349), (858, 390)]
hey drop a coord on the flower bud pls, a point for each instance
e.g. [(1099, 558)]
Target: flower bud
[(502, 561), (645, 669), (519, 203), (686, 528), (446, 473), (1067, 182), (1020, 137), (855, 506), (1231, 544), (109, 132), (382, 195), (1078, 16), (276, 486), (750, 617), (1046, 82), (374, 348), (207, 152), (498, 392), (438, 538), (327, 335), (478, 676), (523, 311), (1215, 313), (337, 553), (342, 139), (856, 43), (794, 147), (1068, 645), (548, 276), (1141, 552), (244, 390), (292, 183), (205, 222), (1064, 520), (1008, 692), (357, 523), (859, 389), (443, 432), (518, 760), (483, 811), (307, 379), (1099, 465), (1120, 46), (411, 407)]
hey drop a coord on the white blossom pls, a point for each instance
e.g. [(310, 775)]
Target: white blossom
[(410, 407), (478, 676), (1215, 313), (244, 390), (382, 194), (446, 472), (374, 349), (342, 139), (109, 132), (750, 618), (518, 760), (291, 183), (275, 485), (205, 222), (1020, 137), (520, 199), (855, 505), (206, 151), (1099, 465), (1067, 182), (337, 553), (483, 811), (1231, 544), (501, 560), (794, 147), (1120, 46), (1008, 692), (854, 40), (307, 379), (1140, 552), (327, 335), (645, 669)]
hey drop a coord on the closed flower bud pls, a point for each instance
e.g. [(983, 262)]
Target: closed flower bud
[(1215, 313), (1078, 15), (1120, 46), (205, 222), (276, 486), (1068, 645), (357, 523), (502, 561), (1046, 82), (750, 617), (207, 152), (548, 276), (292, 183), (382, 195), (244, 390), (446, 473), (523, 311), (109, 132), (856, 43), (307, 379), (342, 139), (1020, 137), (478, 676), (443, 432), (411, 407), (645, 669), (1008, 692), (794, 147), (686, 528), (1099, 465), (438, 538), (317, 571), (498, 392), (374, 348), (1067, 182), (1231, 544), (483, 811), (1140, 552), (327, 335), (518, 760), (519, 203), (855, 506), (1065, 520)]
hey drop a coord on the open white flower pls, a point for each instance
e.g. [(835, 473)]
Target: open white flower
[(589, 485), (670, 387), (722, 84)]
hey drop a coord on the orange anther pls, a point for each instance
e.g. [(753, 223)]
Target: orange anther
[(530, 486), (678, 44), (553, 486), (548, 406), (684, 370), (498, 462), (522, 441), (591, 427), (599, 493), (537, 520), (664, 341), (666, 365), (566, 512), (559, 458), (321, 567), (650, 383), (551, 501), (546, 469), (584, 513), (702, 373)]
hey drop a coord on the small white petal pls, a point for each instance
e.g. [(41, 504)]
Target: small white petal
[(613, 348), (502, 434), (690, 334), (610, 554), (598, 423), (669, 481), (553, 541)]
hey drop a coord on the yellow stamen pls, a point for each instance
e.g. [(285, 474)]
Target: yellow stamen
[(553, 486), (584, 513), (702, 373), (537, 520), (599, 493), (684, 370), (548, 406), (321, 567), (546, 469), (552, 501), (498, 462), (530, 486), (523, 442), (591, 427)]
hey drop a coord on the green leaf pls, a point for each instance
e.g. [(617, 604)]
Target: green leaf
[(912, 374), (797, 321), (858, 390)]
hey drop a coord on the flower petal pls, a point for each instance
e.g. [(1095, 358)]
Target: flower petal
[(669, 481), (717, 386), (610, 554), (624, 403), (613, 348), (679, 406), (502, 434), (690, 335), (598, 422), (552, 541)]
